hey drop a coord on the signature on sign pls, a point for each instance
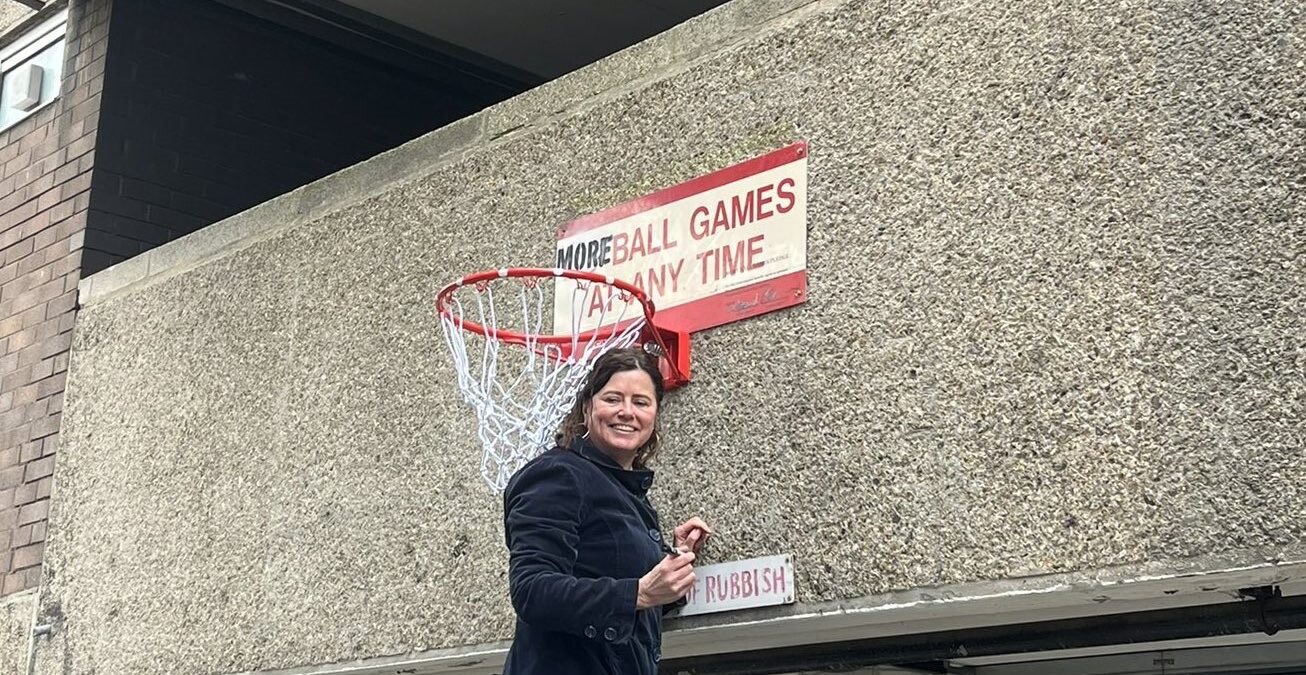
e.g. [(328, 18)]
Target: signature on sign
[(766, 297)]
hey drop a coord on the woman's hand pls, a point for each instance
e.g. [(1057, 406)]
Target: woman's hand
[(666, 583), (692, 534)]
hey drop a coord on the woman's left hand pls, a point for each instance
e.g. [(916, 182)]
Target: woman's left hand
[(692, 534)]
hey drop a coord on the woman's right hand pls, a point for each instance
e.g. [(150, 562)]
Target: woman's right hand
[(666, 583)]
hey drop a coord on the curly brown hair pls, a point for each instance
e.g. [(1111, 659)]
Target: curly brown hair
[(613, 362)]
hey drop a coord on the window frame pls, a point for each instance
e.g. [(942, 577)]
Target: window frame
[(33, 41)]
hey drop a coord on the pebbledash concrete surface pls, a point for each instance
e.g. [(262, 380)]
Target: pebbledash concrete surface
[(1054, 334), (13, 13)]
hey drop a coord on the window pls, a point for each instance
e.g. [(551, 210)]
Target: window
[(32, 69)]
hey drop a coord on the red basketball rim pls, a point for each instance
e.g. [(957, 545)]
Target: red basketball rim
[(442, 303)]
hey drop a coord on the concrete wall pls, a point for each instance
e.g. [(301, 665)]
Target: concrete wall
[(1054, 327), (13, 13), (16, 612), (45, 174)]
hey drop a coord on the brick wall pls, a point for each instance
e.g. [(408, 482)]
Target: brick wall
[(209, 110), (45, 178)]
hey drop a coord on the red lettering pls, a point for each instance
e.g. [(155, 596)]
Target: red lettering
[(764, 202), (755, 251), (697, 227), (787, 198), (721, 221), (619, 254), (638, 247), (742, 213), (734, 585), (778, 579), (713, 588), (600, 299), (749, 583), (731, 261)]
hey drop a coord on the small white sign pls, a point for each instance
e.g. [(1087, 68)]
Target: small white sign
[(757, 582)]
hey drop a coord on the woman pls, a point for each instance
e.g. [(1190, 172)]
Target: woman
[(589, 572)]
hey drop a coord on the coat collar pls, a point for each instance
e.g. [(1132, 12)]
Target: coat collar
[(637, 481)]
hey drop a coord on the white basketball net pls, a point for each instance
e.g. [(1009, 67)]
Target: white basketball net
[(520, 394)]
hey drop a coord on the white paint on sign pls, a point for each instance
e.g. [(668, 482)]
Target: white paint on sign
[(689, 246), (741, 584)]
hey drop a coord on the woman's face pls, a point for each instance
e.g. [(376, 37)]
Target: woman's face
[(622, 414)]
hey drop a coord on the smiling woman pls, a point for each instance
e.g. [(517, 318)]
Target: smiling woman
[(589, 572)]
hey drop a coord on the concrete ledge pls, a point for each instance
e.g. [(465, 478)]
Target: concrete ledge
[(1130, 588)]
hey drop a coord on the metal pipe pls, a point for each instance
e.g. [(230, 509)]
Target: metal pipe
[(1267, 613)]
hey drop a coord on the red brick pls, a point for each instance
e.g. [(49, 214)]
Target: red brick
[(70, 264), (27, 556), (15, 436), (50, 198), (11, 478), (39, 469), (43, 257), (10, 325), (18, 285), (61, 211), (22, 536), (26, 493), (16, 378), (33, 512), (10, 236), (33, 138), (21, 211), (16, 252), (14, 417), (20, 342), (43, 182), (33, 316), (8, 151), (65, 302), (44, 486), (14, 583), (31, 451), (45, 234), (65, 173), (56, 382), (78, 148), (46, 426)]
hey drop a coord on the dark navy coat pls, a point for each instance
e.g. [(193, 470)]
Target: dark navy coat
[(580, 534)]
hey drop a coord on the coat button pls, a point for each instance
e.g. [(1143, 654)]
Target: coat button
[(590, 631), (655, 535), (610, 634), (648, 483)]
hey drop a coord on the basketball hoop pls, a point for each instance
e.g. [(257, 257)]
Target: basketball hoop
[(520, 396)]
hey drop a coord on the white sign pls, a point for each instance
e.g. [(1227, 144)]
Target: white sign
[(718, 248), (758, 582)]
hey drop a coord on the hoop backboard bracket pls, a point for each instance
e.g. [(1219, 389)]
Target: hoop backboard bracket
[(672, 348)]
